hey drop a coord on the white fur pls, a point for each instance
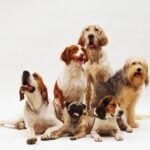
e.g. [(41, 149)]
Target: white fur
[(72, 82)]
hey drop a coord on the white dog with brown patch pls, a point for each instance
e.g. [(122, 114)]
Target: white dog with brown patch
[(39, 113)]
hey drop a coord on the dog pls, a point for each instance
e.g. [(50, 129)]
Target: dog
[(71, 83), (125, 85), (39, 112), (76, 123), (93, 38), (106, 114)]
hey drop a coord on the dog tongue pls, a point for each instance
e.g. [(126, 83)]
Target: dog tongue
[(76, 114)]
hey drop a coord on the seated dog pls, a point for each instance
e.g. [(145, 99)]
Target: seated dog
[(76, 123)]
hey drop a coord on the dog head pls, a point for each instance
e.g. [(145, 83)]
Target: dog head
[(74, 53), (33, 83), (93, 37), (108, 108), (136, 71), (75, 109)]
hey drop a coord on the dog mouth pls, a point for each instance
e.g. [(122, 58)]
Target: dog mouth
[(80, 60), (27, 88), (138, 74), (91, 45)]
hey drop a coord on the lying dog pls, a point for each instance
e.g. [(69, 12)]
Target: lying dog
[(39, 113), (106, 114), (126, 86), (76, 123)]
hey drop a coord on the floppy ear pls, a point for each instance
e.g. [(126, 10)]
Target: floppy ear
[(84, 106), (67, 104), (41, 86), (106, 102), (65, 56), (81, 40), (21, 94), (104, 40), (147, 81), (86, 55), (101, 112)]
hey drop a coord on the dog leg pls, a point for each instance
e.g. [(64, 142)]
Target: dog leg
[(57, 134), (131, 117), (96, 136), (117, 134), (31, 137), (50, 130), (18, 123), (78, 136)]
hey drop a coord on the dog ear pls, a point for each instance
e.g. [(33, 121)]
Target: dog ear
[(106, 101), (86, 54), (84, 106), (147, 81), (103, 40), (81, 40), (65, 56), (21, 94), (67, 104), (41, 86), (101, 112)]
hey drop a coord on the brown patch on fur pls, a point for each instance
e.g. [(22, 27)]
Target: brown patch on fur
[(103, 41), (67, 54), (41, 86), (110, 108)]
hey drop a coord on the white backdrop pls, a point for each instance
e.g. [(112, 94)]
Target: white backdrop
[(33, 33)]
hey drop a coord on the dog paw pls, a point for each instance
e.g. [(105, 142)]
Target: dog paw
[(118, 137), (31, 141), (73, 138), (21, 125), (45, 137), (129, 129), (53, 137), (134, 125), (97, 138)]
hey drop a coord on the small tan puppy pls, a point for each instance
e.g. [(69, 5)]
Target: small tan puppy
[(76, 123)]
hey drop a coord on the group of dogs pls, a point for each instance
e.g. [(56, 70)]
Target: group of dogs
[(88, 97)]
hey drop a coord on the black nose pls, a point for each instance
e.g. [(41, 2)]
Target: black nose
[(120, 112), (139, 69), (91, 36), (25, 77)]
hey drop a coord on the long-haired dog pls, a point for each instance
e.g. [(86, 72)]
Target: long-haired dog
[(93, 38), (39, 113), (71, 83), (106, 113), (76, 122), (126, 86)]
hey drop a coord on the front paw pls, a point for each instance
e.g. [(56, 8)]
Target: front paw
[(134, 125), (73, 138), (97, 138), (118, 137), (31, 141), (45, 137), (129, 129)]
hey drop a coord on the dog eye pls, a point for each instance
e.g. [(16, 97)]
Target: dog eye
[(96, 30), (87, 29), (134, 63)]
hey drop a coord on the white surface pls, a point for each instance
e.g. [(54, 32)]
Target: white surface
[(32, 35)]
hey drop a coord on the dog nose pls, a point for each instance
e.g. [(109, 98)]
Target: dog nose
[(139, 69), (81, 55), (120, 112), (91, 36), (25, 77)]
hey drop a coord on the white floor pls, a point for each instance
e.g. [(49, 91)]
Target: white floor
[(16, 139)]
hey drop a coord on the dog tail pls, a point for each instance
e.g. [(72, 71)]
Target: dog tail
[(142, 117)]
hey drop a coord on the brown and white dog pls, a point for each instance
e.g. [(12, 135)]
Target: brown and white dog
[(93, 38), (71, 84), (39, 113), (76, 122), (106, 114)]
